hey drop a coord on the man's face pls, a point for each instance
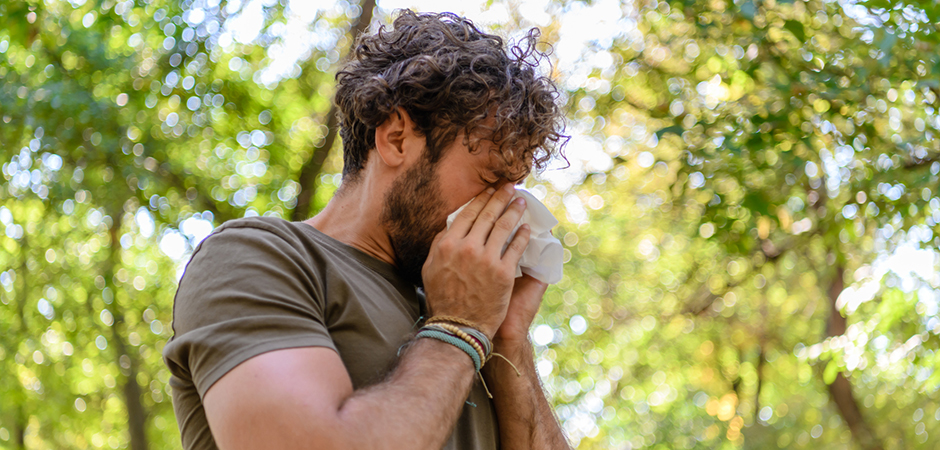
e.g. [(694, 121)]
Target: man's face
[(413, 214), (418, 203)]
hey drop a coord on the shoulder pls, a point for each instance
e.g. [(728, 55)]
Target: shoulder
[(258, 229), (251, 237), (240, 250)]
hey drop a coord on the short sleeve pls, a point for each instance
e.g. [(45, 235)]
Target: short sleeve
[(246, 291)]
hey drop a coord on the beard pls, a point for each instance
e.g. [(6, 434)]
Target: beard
[(412, 217)]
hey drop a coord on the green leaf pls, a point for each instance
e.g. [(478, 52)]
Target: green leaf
[(674, 129), (796, 28), (832, 370), (756, 202), (894, 306)]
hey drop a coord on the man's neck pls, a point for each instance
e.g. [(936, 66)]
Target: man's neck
[(354, 217)]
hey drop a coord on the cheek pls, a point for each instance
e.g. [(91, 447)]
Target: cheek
[(459, 178), (457, 193)]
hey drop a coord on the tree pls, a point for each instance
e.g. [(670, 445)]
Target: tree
[(764, 152), (130, 129), (751, 172)]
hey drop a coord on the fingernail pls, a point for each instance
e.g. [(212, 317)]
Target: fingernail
[(490, 190), (520, 201), (509, 187)]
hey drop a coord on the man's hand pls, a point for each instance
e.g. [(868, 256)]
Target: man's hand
[(466, 275), (523, 305), (525, 417)]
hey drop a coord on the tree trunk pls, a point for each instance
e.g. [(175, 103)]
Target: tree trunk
[(760, 380), (19, 428), (761, 355), (136, 414), (313, 167), (21, 417), (840, 391), (309, 172)]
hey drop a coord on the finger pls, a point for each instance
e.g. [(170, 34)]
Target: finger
[(464, 221), (517, 246), (438, 237), (491, 213), (431, 258), (504, 227), (529, 284)]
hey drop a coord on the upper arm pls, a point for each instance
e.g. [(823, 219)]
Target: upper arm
[(282, 399), (245, 292)]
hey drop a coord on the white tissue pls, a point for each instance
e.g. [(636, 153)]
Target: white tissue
[(542, 258)]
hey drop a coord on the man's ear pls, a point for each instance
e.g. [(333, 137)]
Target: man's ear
[(394, 138)]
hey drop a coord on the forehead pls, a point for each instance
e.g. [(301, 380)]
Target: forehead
[(503, 163)]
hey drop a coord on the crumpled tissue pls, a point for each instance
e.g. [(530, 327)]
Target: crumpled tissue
[(543, 256)]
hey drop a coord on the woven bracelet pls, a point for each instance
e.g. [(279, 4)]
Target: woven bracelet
[(452, 319), (455, 341), (434, 331), (454, 330)]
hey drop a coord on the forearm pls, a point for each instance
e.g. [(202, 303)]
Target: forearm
[(417, 406), (525, 417)]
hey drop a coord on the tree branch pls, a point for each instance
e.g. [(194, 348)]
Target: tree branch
[(312, 168), (840, 391)]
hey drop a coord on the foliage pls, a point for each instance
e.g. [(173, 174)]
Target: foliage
[(766, 168), (767, 153), (129, 129)]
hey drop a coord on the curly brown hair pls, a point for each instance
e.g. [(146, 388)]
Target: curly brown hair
[(450, 77)]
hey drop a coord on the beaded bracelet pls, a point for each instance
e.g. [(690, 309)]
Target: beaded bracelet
[(468, 327), (453, 319), (467, 338), (454, 330), (481, 338)]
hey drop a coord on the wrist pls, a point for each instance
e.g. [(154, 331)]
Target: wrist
[(517, 352), (488, 330), (511, 346), (448, 353), (513, 368)]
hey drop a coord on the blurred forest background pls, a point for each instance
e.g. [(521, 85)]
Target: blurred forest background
[(750, 217)]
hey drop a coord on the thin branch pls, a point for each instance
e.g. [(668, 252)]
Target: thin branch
[(918, 163)]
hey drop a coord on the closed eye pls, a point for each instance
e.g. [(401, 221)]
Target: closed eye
[(489, 181)]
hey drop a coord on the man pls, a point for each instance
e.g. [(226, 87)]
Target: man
[(301, 335)]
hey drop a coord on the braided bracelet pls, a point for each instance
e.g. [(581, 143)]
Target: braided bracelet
[(468, 338), (443, 336), (453, 319)]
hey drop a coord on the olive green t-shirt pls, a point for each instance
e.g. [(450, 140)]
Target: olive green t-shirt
[(261, 284)]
